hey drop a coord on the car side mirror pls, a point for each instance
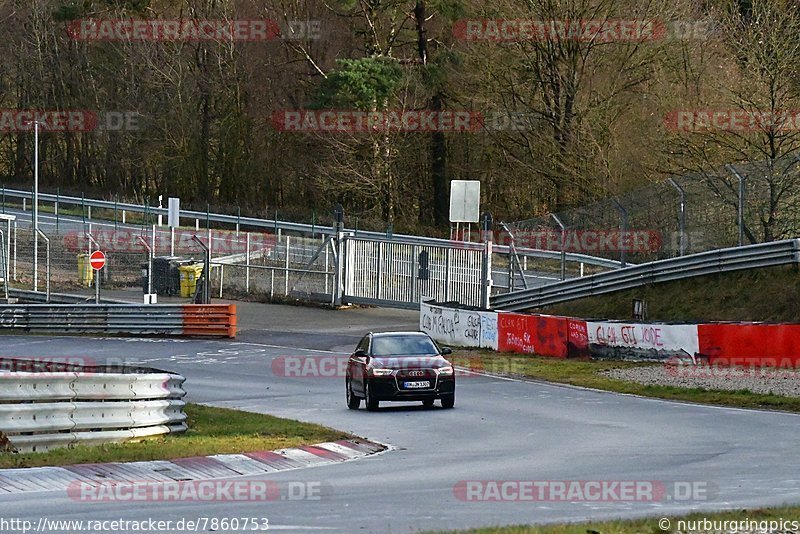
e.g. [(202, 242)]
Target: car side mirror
[(360, 353), (446, 351)]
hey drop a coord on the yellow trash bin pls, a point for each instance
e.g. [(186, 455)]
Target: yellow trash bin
[(85, 271), (189, 275)]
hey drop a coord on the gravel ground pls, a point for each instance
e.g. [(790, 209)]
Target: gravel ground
[(784, 382)]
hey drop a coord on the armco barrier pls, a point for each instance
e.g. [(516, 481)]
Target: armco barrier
[(752, 344), (165, 319), (715, 261), (87, 405)]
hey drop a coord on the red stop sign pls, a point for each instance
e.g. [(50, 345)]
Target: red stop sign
[(97, 260)]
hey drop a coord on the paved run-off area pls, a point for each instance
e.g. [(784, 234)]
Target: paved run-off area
[(500, 430)]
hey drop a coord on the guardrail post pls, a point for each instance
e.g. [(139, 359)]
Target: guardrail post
[(56, 206)]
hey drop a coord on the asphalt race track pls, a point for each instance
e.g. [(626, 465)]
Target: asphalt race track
[(500, 429)]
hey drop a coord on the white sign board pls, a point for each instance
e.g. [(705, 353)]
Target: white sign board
[(658, 337), (174, 214), (451, 326), (465, 201)]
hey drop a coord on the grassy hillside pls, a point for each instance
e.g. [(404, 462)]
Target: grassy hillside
[(759, 295)]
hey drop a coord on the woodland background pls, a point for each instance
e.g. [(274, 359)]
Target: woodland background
[(594, 111)]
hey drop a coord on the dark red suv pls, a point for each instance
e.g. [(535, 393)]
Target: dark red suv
[(399, 366)]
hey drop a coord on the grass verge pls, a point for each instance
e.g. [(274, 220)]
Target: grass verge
[(586, 373), (651, 525), (211, 431)]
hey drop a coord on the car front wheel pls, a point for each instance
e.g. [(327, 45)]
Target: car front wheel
[(371, 402), (353, 402)]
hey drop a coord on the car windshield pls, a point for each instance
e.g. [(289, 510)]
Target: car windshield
[(402, 346)]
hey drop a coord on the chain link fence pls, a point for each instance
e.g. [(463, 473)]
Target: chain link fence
[(738, 204), (255, 263)]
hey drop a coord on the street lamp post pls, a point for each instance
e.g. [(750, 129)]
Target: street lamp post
[(36, 205)]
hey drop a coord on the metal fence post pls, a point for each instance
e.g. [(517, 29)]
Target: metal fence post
[(682, 215), (247, 262), (563, 246), (448, 262), (206, 270), (380, 271), (740, 214), (286, 270), (623, 230), (414, 272), (47, 259), (221, 278), (340, 263), (486, 275), (15, 251), (149, 265)]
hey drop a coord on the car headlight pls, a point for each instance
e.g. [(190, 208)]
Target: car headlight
[(381, 372), (445, 371)]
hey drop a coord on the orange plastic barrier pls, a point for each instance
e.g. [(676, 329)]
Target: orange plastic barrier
[(209, 320)]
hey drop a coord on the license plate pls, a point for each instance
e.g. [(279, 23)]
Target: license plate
[(418, 384)]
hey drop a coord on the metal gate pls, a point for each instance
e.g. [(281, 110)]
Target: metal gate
[(397, 274)]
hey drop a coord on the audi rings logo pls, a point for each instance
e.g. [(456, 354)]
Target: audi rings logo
[(416, 373)]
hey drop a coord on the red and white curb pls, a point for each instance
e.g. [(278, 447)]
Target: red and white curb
[(218, 466)]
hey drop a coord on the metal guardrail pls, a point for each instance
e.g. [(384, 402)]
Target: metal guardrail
[(715, 261), (309, 228), (156, 319), (31, 296), (86, 405)]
